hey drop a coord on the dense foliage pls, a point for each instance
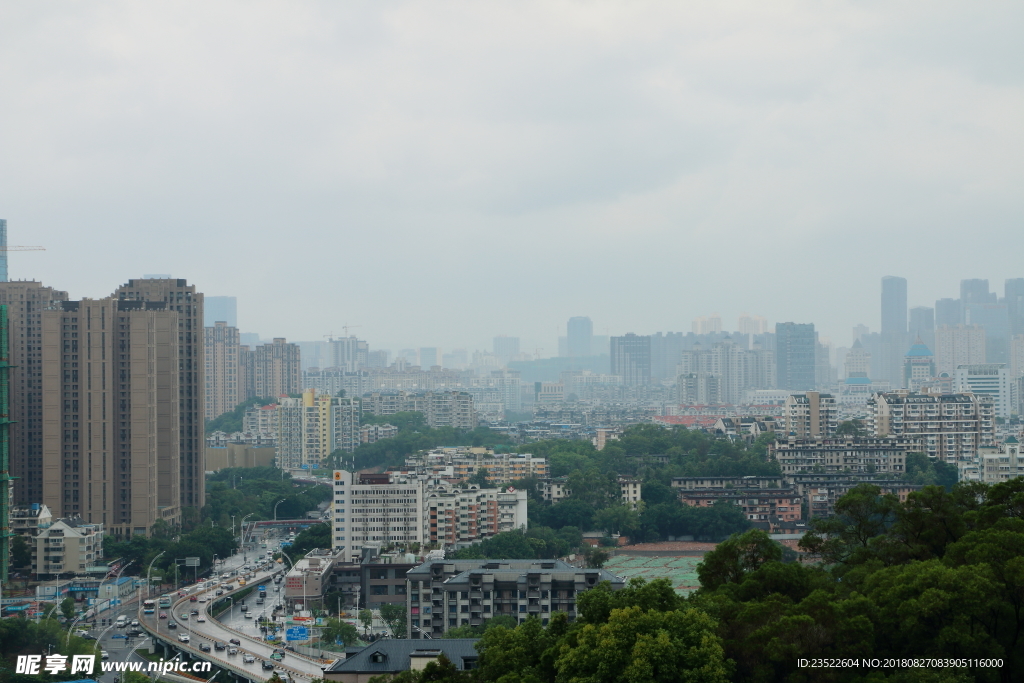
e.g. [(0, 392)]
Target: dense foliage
[(535, 542), (939, 576), (19, 636), (231, 422), (413, 435)]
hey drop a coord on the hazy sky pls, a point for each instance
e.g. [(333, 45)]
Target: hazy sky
[(442, 172)]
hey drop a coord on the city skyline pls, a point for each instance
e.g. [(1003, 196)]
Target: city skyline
[(395, 140)]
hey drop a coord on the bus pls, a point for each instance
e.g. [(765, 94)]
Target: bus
[(148, 606), (165, 601)]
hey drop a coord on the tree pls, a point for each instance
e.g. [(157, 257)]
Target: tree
[(737, 555), (651, 645), (21, 553), (394, 615), (338, 630), (366, 619), (596, 557), (850, 428), (67, 607)]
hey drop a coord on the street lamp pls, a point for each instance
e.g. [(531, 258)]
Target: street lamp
[(149, 574), (275, 507)]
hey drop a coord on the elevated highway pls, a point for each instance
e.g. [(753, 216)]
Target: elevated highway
[(298, 667)]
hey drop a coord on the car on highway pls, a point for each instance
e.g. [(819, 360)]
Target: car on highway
[(247, 658), (220, 645), (277, 654), (194, 612), (184, 616), (133, 632), (219, 592), (232, 650), (268, 665), (201, 619), (172, 624), (204, 647), (204, 599), (248, 615), (104, 654), (193, 599), (183, 637), (88, 636), (163, 615), (235, 641)]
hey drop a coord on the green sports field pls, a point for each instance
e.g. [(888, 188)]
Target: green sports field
[(681, 571)]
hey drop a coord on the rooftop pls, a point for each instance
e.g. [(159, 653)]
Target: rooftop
[(390, 654)]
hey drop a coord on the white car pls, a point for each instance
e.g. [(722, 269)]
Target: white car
[(248, 615), (204, 599), (248, 658), (201, 619), (104, 655), (183, 637)]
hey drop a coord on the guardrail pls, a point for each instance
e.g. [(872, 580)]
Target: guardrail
[(209, 656)]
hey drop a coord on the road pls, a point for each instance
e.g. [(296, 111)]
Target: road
[(234, 626)]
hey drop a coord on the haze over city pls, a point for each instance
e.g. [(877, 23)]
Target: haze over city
[(441, 173)]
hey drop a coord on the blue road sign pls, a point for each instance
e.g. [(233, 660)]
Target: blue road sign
[(262, 588), (297, 633)]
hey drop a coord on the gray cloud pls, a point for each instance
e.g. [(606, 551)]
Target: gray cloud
[(444, 172)]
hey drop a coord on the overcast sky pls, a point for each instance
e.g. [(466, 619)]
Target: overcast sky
[(442, 172)]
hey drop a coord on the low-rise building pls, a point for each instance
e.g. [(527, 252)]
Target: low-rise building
[(556, 489), (444, 594), (460, 517), (66, 546), (1001, 464), (838, 454), (758, 504), (391, 656), (28, 519), (374, 433), (307, 578)]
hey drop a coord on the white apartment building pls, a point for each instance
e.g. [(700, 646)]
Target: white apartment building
[(950, 427), (843, 454), (385, 512), (988, 379), (957, 345), (66, 546), (406, 509), (1001, 464)]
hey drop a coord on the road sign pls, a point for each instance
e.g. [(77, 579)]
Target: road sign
[(191, 561), (297, 633), (262, 588)]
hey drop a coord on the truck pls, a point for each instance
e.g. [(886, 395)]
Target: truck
[(121, 622)]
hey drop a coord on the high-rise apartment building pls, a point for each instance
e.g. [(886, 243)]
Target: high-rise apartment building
[(429, 356), (224, 382), (811, 415), (737, 370), (950, 427), (506, 348), (948, 312), (751, 324), (312, 427), (349, 353), (858, 361), (183, 298), (112, 428), (795, 355), (957, 345), (894, 304), (220, 309), (709, 324), (1014, 300), (381, 511), (25, 303), (1017, 356), (631, 359), (273, 369), (580, 333)]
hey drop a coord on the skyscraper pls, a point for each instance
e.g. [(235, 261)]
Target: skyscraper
[(957, 345), (273, 369), (894, 305), (948, 312), (111, 436), (506, 348), (3, 250), (220, 309), (580, 332), (183, 298), (795, 355), (224, 382), (1014, 290), (631, 359), (25, 303), (975, 291)]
